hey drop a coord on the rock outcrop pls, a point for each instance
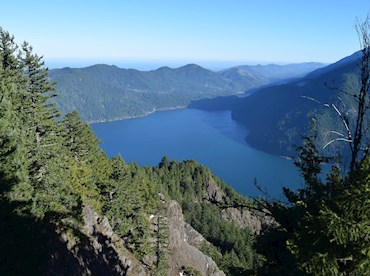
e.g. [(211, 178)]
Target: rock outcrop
[(213, 193), (95, 250), (183, 243), (244, 217)]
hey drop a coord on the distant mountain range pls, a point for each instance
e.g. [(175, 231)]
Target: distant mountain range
[(102, 92), (279, 115), (271, 72)]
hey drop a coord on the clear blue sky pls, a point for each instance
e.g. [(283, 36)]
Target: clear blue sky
[(242, 31)]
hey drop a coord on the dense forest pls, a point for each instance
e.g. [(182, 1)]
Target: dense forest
[(61, 195)]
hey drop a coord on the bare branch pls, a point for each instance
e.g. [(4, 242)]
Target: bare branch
[(338, 139), (336, 132), (344, 120), (311, 99)]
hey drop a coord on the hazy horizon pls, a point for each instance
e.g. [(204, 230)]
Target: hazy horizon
[(187, 31), (147, 65)]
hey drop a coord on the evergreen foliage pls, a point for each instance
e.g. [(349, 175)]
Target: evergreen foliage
[(282, 112), (324, 228), (51, 167), (186, 182)]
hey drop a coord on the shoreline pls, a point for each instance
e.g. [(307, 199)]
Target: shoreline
[(138, 116)]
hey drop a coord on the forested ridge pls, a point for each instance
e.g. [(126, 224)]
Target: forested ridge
[(283, 112), (66, 208), (105, 93)]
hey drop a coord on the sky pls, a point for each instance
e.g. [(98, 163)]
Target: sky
[(178, 32)]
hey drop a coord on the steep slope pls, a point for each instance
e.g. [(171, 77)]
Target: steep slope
[(184, 246), (277, 116)]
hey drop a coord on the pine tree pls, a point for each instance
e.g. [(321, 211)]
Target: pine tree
[(88, 165), (12, 169), (13, 160), (8, 48), (37, 161), (324, 229)]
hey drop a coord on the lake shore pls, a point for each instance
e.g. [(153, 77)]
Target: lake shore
[(137, 116)]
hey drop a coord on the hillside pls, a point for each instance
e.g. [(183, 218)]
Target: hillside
[(103, 92), (278, 116), (269, 73), (67, 209)]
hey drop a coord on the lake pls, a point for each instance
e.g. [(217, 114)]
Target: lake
[(211, 138)]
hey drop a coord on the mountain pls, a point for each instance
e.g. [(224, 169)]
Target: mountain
[(67, 209), (277, 116), (265, 74), (103, 92)]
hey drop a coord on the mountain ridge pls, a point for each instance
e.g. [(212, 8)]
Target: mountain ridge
[(278, 114), (275, 72), (287, 109), (106, 92)]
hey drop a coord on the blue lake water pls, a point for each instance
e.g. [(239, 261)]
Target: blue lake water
[(211, 138)]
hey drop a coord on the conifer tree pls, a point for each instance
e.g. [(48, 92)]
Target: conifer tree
[(88, 165), (324, 229), (13, 160), (8, 49), (12, 170), (39, 183)]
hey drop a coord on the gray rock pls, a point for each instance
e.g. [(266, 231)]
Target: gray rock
[(181, 252)]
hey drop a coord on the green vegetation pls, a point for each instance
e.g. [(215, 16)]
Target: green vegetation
[(103, 92), (52, 168), (187, 183), (52, 171), (324, 227), (282, 113)]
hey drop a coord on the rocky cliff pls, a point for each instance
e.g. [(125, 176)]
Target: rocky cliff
[(95, 249), (184, 244), (243, 216)]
